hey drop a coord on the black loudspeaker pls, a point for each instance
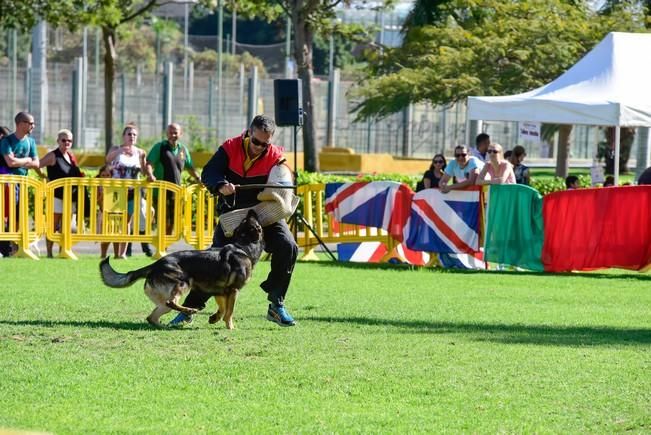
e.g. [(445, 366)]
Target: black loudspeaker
[(288, 102)]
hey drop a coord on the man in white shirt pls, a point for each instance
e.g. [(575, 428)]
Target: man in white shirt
[(464, 168)]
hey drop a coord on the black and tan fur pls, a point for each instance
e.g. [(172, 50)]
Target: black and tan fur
[(219, 272)]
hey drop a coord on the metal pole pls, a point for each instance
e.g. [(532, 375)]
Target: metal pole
[(123, 87), (84, 88), (210, 103), (191, 82), (407, 115), (168, 82), (14, 70), (234, 30), (76, 98), (288, 46), (242, 90), (331, 57), (617, 146), (97, 58), (185, 47), (220, 60), (253, 94), (333, 89)]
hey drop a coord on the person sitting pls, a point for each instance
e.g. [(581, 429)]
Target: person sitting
[(520, 171), (60, 163), (464, 169), (572, 182), (433, 175), (499, 170)]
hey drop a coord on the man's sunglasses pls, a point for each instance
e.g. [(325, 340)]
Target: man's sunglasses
[(460, 155), (439, 161), (258, 142)]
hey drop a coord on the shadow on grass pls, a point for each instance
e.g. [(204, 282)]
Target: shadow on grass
[(641, 276), (550, 335), (93, 324)]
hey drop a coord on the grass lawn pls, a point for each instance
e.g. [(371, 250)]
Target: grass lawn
[(376, 349)]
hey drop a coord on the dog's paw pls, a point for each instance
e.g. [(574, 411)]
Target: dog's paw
[(214, 318)]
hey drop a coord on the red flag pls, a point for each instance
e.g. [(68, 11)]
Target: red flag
[(589, 229)]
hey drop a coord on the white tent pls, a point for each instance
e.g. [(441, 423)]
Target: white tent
[(610, 86)]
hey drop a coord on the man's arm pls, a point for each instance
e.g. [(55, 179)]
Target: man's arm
[(213, 175)]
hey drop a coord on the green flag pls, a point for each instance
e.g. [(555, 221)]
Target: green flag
[(514, 234)]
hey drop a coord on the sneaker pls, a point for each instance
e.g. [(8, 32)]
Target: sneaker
[(279, 315), (181, 319)]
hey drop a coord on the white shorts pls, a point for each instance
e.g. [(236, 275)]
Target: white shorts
[(58, 206)]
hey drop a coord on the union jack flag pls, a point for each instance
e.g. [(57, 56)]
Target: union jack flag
[(380, 204), (446, 223)]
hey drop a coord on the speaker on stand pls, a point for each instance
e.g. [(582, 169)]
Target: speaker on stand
[(288, 108)]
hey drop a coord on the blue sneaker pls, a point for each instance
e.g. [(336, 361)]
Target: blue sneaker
[(181, 319), (279, 315)]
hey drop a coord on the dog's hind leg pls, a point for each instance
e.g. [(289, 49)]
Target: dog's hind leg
[(230, 305), (154, 317), (175, 295), (221, 304)]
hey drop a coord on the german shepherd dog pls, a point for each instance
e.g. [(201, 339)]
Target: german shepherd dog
[(219, 272)]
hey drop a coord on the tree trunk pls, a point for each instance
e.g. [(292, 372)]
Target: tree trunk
[(563, 155), (108, 36), (303, 38)]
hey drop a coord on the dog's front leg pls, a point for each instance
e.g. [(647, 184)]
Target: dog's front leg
[(221, 304), (230, 305)]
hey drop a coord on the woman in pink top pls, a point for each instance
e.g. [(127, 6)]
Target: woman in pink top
[(499, 170)]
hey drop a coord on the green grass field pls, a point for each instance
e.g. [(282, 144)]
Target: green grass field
[(377, 349)]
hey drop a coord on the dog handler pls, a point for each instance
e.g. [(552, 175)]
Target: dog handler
[(242, 160)]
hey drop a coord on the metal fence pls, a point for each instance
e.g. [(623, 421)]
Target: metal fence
[(211, 115)]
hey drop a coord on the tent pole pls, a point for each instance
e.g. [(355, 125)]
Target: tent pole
[(617, 145)]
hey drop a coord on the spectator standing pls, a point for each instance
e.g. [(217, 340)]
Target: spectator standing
[(499, 170), (127, 162), (242, 160), (519, 169), (60, 163), (463, 170), (18, 152), (167, 160), (572, 182), (433, 175), (482, 141), (645, 177)]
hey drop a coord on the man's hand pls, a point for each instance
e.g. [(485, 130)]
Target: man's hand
[(32, 164), (444, 188), (227, 189)]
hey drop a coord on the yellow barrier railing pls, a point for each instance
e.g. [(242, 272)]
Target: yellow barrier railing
[(109, 210), (198, 223), (329, 230), (18, 196), (125, 212)]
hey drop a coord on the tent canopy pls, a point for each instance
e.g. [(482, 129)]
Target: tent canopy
[(611, 85)]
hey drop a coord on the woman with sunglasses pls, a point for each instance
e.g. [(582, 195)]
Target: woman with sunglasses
[(433, 175), (60, 163), (500, 171), (463, 170)]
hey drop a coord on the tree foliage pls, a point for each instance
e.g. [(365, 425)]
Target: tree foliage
[(484, 47)]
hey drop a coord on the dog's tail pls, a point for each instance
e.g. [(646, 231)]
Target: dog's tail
[(116, 279)]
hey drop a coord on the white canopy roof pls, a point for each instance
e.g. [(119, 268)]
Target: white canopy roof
[(611, 85)]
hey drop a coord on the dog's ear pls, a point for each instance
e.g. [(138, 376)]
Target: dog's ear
[(252, 214)]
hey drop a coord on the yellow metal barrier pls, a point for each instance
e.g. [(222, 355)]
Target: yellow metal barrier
[(108, 220), (328, 230), (199, 223), (21, 210)]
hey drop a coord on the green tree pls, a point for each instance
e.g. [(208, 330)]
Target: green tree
[(484, 47), (108, 15)]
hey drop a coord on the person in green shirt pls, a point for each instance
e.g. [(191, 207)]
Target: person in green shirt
[(167, 160)]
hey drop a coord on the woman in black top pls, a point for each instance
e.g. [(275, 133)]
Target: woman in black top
[(434, 174), (60, 163)]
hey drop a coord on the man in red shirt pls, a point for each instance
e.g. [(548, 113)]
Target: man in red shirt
[(241, 160)]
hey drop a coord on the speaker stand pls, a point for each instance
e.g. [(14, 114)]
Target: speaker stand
[(297, 216)]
